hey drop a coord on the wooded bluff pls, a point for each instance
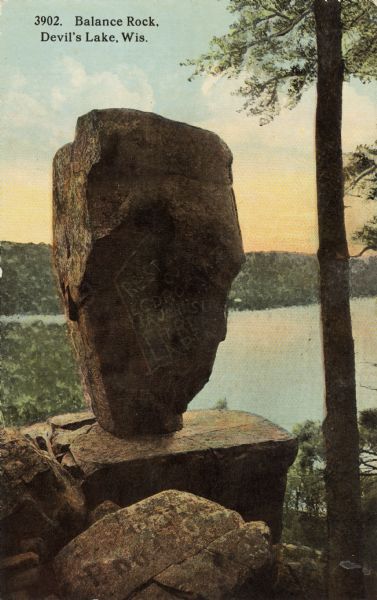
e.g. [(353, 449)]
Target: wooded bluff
[(266, 280)]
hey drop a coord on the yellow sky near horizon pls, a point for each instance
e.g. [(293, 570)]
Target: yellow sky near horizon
[(276, 208), (45, 87)]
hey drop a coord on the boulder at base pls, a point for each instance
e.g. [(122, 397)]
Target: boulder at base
[(39, 500), (173, 544)]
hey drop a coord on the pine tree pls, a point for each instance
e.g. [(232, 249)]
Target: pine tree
[(279, 48)]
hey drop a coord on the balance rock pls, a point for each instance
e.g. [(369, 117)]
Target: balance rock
[(170, 545), (146, 245)]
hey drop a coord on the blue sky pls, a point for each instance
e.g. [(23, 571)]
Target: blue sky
[(67, 79), (46, 86)]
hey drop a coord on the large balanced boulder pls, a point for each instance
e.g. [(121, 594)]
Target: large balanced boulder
[(173, 544), (146, 245), (41, 506)]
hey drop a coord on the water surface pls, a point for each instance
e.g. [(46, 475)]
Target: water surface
[(271, 363)]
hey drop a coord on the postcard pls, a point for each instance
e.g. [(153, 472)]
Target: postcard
[(188, 299)]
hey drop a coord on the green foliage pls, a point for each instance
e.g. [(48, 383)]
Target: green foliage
[(370, 521), (360, 175), (273, 279), (363, 277), (360, 171), (38, 373), (368, 422), (27, 284), (368, 442), (367, 235), (266, 280), (271, 46), (368, 470), (221, 404), (305, 505)]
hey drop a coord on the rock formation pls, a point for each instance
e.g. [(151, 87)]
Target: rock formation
[(39, 500), (41, 508), (146, 244), (173, 544), (234, 458), (170, 545)]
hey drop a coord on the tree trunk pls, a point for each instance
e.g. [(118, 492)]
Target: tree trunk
[(345, 577)]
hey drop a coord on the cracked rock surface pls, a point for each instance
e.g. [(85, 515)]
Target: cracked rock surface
[(171, 545), (38, 498), (234, 458), (146, 245)]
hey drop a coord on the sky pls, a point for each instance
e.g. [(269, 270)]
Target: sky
[(46, 85)]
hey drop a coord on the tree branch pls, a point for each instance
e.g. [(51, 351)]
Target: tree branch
[(362, 252), (280, 33), (356, 19), (370, 452), (275, 13), (368, 465), (292, 24), (367, 171)]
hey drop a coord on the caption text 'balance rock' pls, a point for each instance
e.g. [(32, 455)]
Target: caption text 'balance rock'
[(146, 244)]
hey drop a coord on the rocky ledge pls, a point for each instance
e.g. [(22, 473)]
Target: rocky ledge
[(192, 514), (234, 458)]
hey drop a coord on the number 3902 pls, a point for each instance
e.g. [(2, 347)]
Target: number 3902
[(46, 20)]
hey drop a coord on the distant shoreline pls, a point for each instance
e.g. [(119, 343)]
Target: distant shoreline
[(267, 280), (60, 319)]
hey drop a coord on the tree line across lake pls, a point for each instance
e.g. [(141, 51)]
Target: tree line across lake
[(266, 280)]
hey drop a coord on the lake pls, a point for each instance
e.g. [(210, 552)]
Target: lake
[(29, 319), (271, 364)]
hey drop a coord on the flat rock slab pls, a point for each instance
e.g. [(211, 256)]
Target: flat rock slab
[(146, 245), (235, 458), (63, 438), (172, 543), (72, 421)]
